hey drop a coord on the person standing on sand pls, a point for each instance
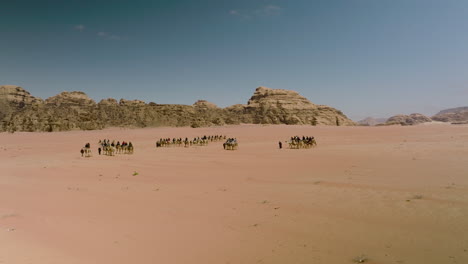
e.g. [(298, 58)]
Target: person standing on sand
[(99, 150), (280, 145)]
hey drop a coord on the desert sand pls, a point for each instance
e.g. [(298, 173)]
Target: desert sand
[(392, 194)]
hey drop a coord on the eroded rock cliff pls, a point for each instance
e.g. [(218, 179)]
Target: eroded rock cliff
[(278, 106)]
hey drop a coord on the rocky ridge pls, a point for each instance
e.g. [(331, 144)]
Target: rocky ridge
[(20, 111), (453, 115), (408, 120)]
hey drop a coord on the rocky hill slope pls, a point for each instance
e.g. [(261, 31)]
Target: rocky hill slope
[(408, 120), (20, 111), (453, 115)]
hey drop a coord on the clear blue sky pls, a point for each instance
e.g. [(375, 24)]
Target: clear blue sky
[(365, 57)]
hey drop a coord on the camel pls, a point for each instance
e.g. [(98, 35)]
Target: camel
[(118, 149), (230, 145), (86, 152), (109, 150), (313, 142), (125, 149), (295, 144), (310, 143), (129, 149)]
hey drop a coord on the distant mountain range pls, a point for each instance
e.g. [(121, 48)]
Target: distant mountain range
[(453, 110), (458, 115), (454, 115)]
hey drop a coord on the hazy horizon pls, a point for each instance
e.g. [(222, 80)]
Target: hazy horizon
[(365, 58)]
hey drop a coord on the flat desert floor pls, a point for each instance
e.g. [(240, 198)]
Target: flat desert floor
[(382, 194)]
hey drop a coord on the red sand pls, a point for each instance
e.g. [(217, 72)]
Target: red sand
[(394, 194)]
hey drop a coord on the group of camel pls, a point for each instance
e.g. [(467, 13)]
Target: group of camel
[(297, 142), (179, 142), (106, 147), (111, 148), (230, 144)]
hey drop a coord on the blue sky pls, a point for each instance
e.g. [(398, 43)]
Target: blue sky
[(365, 57)]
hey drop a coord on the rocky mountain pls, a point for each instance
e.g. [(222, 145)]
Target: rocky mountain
[(371, 121), (278, 106), (454, 110), (14, 98), (408, 120), (20, 111), (453, 115)]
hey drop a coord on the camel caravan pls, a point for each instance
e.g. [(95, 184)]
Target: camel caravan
[(297, 142), (111, 148), (230, 144), (179, 142)]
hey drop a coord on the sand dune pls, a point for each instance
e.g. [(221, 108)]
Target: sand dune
[(394, 194)]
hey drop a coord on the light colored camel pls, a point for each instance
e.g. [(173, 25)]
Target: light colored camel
[(109, 151), (86, 152)]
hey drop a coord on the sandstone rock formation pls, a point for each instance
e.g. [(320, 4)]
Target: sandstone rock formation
[(19, 111), (17, 96), (70, 99), (277, 106), (408, 120), (14, 98), (453, 115)]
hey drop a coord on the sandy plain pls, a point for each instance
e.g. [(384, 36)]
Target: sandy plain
[(393, 194)]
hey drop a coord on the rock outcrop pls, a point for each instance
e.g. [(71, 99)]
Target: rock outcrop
[(452, 115), (408, 120), (20, 111), (277, 106), (70, 99), (14, 99), (16, 96)]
